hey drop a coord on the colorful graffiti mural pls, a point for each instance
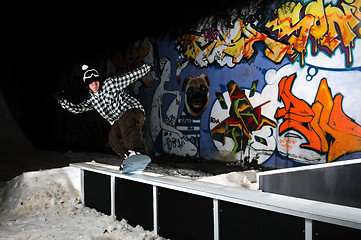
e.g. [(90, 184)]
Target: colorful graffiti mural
[(324, 124), (328, 27), (229, 48), (242, 121), (215, 96)]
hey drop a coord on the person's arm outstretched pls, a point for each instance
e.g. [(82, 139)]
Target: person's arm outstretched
[(128, 78), (76, 108)]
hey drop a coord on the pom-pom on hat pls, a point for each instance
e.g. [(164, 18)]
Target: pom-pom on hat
[(90, 75)]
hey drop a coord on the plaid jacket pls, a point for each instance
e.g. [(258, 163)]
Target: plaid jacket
[(111, 101)]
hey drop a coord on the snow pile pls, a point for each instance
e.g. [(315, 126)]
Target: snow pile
[(47, 205), (246, 179), (41, 190)]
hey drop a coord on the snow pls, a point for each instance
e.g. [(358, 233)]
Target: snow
[(46, 204), (246, 179)]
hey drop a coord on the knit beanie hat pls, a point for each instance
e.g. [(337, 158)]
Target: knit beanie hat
[(90, 75)]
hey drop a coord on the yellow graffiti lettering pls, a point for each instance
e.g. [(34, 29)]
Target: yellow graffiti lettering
[(327, 26), (237, 43), (293, 25)]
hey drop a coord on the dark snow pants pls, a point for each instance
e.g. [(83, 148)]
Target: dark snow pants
[(126, 133)]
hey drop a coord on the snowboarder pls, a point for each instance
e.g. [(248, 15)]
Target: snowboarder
[(124, 112)]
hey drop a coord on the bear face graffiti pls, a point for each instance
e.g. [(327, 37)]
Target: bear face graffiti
[(196, 94)]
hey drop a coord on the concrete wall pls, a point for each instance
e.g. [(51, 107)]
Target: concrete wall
[(282, 89)]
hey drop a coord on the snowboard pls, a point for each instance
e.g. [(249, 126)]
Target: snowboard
[(135, 163)]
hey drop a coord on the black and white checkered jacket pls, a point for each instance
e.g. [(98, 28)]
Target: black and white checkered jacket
[(111, 101)]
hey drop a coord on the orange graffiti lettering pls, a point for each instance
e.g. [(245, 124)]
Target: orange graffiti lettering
[(326, 127)]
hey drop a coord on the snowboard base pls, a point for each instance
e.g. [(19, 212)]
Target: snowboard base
[(135, 163)]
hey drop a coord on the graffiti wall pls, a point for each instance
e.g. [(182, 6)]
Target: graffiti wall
[(284, 89)]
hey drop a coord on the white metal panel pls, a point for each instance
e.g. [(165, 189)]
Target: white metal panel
[(155, 209), (308, 229), (112, 195), (216, 219), (82, 186)]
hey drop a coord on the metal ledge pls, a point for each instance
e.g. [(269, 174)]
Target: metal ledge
[(308, 209)]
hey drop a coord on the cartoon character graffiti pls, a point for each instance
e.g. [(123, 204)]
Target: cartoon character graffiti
[(157, 123), (173, 140), (195, 102), (196, 94)]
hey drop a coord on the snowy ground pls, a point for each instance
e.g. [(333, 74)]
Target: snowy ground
[(46, 204)]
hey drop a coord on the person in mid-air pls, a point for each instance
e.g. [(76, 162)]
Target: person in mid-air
[(124, 112)]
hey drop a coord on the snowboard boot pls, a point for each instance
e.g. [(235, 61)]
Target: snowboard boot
[(131, 153)]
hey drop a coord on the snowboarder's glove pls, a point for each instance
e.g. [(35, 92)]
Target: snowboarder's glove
[(59, 96)]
